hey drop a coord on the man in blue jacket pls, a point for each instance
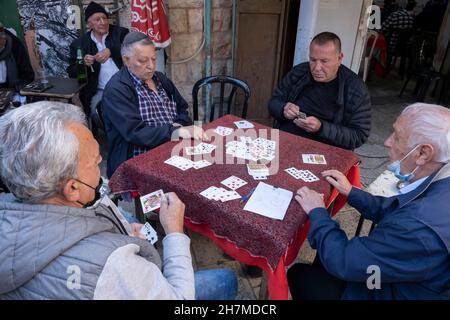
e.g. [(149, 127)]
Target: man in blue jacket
[(141, 107), (406, 256)]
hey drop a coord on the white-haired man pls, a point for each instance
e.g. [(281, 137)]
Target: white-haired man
[(406, 256), (142, 108), (54, 247)]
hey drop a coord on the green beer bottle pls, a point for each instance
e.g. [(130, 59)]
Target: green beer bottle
[(81, 68)]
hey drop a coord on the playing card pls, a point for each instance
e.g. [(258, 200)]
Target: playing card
[(307, 176), (223, 131), (233, 182), (201, 164), (259, 177), (314, 158), (301, 115), (180, 163), (209, 193), (151, 201), (257, 169), (293, 172), (243, 124), (206, 147), (192, 151), (148, 231)]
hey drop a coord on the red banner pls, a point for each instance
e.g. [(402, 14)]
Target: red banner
[(149, 17)]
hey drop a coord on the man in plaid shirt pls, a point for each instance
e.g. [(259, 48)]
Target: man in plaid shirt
[(401, 19), (141, 107)]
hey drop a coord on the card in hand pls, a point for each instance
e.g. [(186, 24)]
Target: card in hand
[(314, 158), (233, 182), (152, 201), (148, 231)]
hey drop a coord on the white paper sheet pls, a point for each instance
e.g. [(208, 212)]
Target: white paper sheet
[(269, 201)]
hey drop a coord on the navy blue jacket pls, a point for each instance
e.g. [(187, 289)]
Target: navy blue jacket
[(123, 122), (410, 244)]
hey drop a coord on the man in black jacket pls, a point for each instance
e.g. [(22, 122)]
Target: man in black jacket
[(100, 48), (323, 100), (15, 67), (141, 107)]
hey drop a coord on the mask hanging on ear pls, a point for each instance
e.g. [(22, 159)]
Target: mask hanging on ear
[(97, 195), (395, 167)]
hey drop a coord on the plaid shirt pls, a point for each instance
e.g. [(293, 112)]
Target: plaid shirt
[(400, 19), (156, 109)]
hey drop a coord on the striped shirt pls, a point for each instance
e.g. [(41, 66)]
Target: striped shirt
[(156, 109)]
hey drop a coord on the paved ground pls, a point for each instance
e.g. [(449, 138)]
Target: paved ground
[(386, 107)]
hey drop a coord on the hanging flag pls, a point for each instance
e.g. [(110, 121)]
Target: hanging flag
[(149, 17)]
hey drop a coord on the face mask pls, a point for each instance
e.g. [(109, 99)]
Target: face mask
[(395, 167), (97, 193)]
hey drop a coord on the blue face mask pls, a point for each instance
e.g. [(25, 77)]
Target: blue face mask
[(395, 167)]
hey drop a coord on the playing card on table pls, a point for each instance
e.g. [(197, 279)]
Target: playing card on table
[(259, 177), (152, 201), (294, 172), (243, 124), (206, 147), (192, 151), (307, 176), (233, 182), (201, 164), (223, 131), (210, 193), (148, 231), (229, 195), (314, 158)]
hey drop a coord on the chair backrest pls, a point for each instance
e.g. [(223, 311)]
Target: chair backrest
[(98, 117), (224, 81), (369, 53)]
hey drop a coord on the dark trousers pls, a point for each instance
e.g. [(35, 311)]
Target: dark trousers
[(313, 282)]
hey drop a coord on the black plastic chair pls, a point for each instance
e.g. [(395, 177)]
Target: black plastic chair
[(401, 49), (224, 81)]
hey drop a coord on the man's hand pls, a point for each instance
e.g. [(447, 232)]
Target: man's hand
[(192, 132), (291, 111), (103, 55), (171, 213), (338, 180), (89, 60), (309, 199), (135, 231), (310, 124)]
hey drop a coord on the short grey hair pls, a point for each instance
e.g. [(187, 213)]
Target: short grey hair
[(127, 48), (38, 153), (429, 124)]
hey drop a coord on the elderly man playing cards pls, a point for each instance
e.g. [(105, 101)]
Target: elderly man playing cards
[(142, 108), (407, 255), (60, 241)]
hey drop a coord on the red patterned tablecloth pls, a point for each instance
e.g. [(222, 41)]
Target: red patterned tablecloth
[(248, 237)]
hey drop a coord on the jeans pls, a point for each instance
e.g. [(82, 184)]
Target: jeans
[(215, 284)]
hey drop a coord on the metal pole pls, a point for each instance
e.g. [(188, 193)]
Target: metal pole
[(233, 36), (207, 51)]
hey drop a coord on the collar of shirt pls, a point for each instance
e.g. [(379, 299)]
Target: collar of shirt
[(412, 186), (100, 44), (136, 80)]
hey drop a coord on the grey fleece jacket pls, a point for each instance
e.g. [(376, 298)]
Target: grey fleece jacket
[(59, 252)]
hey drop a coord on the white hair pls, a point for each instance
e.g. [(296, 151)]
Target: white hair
[(429, 124), (127, 49), (38, 153)]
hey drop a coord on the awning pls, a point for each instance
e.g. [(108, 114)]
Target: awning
[(149, 17)]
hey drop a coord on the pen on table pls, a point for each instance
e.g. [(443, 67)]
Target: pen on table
[(245, 198)]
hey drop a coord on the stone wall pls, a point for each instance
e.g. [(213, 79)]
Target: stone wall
[(186, 27)]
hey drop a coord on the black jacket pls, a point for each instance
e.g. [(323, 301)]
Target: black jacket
[(123, 122), (18, 59), (113, 42), (351, 125)]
